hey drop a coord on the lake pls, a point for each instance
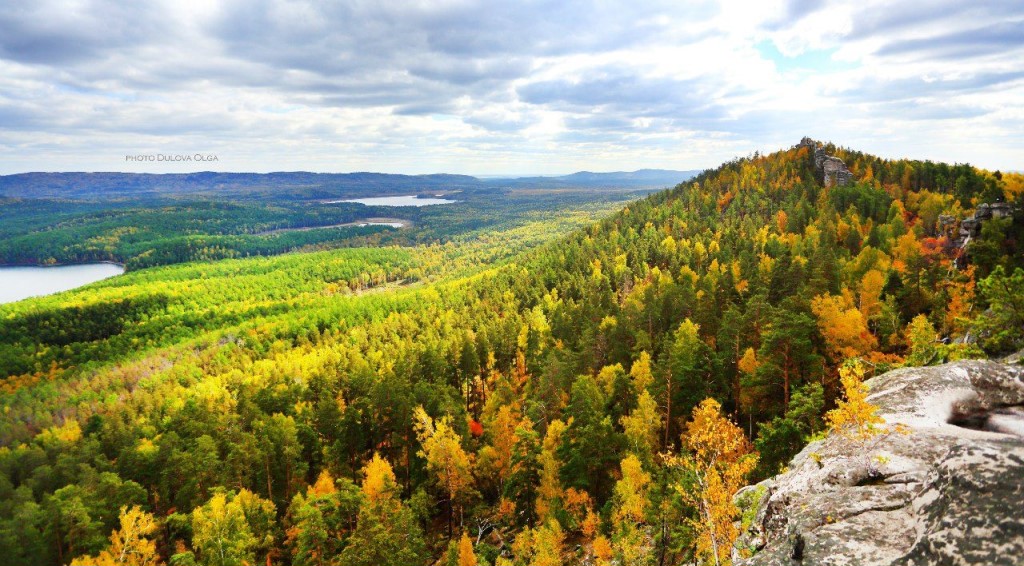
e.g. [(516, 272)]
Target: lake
[(17, 283), (395, 224), (407, 200)]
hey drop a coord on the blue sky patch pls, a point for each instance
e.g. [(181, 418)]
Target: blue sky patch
[(815, 60)]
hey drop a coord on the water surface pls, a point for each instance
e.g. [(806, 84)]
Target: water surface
[(17, 283), (407, 200)]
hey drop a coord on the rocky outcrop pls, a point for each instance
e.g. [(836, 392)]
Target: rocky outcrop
[(959, 234), (833, 170), (970, 227), (948, 489)]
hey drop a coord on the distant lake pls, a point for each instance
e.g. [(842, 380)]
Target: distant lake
[(392, 224), (409, 200), (17, 283)]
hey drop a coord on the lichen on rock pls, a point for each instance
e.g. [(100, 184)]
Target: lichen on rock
[(948, 491)]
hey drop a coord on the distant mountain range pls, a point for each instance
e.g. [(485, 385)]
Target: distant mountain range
[(89, 186)]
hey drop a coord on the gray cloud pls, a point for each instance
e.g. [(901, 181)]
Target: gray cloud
[(912, 110), (996, 38), (873, 21), (874, 89), (50, 33), (794, 11), (626, 91), (20, 117)]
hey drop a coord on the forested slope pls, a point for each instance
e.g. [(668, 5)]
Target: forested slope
[(524, 412)]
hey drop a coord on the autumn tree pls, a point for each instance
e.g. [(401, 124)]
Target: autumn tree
[(129, 546), (718, 458), (629, 513), (494, 460), (466, 556), (641, 373), (843, 326), (386, 534), (540, 546), (871, 285), (221, 535), (446, 459), (549, 488), (854, 416), (922, 346), (322, 519), (748, 364), (642, 427)]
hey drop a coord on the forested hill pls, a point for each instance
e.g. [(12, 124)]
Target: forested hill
[(559, 409), (89, 186), (300, 184)]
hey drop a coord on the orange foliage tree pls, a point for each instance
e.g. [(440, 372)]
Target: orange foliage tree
[(844, 328), (719, 459)]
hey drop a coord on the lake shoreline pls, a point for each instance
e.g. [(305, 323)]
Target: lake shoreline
[(20, 282), (357, 223), (64, 264), (394, 201)]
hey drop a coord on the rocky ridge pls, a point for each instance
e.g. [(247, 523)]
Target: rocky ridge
[(832, 168), (948, 489)]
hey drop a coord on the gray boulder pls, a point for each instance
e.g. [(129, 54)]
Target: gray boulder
[(946, 489)]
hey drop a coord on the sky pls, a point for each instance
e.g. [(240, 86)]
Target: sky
[(493, 88)]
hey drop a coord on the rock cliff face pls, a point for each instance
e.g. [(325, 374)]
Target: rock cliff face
[(833, 169), (959, 234), (947, 490), (970, 227)]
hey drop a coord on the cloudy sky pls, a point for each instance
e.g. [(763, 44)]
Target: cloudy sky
[(485, 87)]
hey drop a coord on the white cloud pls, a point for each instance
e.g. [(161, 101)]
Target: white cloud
[(534, 87)]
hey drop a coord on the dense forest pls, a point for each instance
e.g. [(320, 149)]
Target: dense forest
[(539, 392)]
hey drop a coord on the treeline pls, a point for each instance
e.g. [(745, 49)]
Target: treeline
[(544, 411)]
